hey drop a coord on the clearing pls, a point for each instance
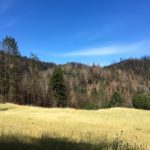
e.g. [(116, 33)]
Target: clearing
[(26, 124)]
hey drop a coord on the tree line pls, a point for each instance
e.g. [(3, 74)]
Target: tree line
[(29, 81), (20, 81)]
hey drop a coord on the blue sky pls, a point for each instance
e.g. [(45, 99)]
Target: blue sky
[(86, 31)]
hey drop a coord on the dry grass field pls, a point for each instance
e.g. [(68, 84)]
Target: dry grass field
[(26, 123)]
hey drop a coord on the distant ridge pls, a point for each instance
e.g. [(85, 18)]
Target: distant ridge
[(88, 87)]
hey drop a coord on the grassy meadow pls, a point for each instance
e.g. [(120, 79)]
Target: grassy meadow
[(27, 127)]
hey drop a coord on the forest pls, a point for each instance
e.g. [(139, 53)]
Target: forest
[(33, 82)]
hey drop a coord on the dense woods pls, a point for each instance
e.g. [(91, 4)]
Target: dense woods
[(29, 81)]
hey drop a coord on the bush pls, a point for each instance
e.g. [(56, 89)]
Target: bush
[(89, 106), (141, 101), (106, 104), (116, 100)]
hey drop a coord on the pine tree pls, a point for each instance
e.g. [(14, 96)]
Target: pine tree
[(116, 99), (9, 45), (58, 87), (11, 70), (2, 75)]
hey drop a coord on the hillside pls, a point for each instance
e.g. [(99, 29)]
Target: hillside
[(26, 127), (138, 66), (26, 81)]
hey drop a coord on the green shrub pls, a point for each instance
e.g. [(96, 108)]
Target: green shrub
[(106, 104), (116, 100), (89, 106), (141, 101)]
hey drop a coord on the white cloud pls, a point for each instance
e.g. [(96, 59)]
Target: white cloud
[(138, 47), (93, 51)]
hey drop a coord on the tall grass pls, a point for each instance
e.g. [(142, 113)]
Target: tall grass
[(26, 127)]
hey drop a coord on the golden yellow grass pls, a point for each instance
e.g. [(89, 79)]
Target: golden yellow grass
[(76, 125)]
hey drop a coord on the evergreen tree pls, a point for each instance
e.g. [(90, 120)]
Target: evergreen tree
[(11, 92), (11, 68), (116, 99), (2, 75), (58, 87), (9, 45)]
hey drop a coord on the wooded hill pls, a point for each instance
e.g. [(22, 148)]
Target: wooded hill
[(29, 81)]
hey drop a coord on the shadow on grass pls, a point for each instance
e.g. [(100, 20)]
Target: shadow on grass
[(46, 143), (4, 109)]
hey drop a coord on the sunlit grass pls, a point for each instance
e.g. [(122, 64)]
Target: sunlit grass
[(76, 125)]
